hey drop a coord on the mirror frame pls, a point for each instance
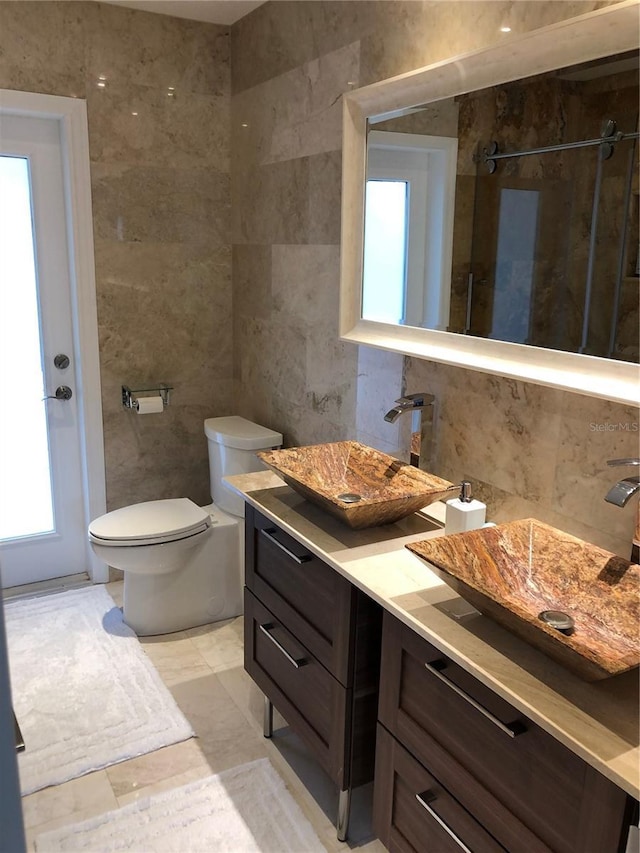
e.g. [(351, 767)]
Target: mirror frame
[(613, 29)]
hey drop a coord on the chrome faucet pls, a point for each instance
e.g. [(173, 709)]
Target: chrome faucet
[(623, 489), (422, 405)]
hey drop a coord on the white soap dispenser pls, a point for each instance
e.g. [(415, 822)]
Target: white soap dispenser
[(464, 513)]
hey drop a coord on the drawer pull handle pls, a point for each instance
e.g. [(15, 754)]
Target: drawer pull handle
[(268, 534), (425, 799), (511, 729), (266, 630)]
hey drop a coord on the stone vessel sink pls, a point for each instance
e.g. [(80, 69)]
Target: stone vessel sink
[(357, 484), (514, 571)]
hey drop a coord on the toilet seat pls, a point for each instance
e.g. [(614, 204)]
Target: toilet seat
[(150, 523)]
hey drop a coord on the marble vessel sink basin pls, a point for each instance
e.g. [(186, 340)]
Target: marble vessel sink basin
[(361, 486), (514, 571)]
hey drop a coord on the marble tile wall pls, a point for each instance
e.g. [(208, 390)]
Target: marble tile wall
[(533, 451), (290, 366), (161, 210), (162, 183), (530, 450)]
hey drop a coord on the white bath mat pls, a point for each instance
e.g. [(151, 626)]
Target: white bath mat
[(84, 692), (244, 809)]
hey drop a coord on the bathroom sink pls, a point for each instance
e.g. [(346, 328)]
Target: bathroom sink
[(361, 486), (515, 571)]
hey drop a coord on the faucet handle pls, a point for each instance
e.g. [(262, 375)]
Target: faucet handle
[(419, 399), (615, 463)]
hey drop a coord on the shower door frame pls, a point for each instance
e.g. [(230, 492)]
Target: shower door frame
[(71, 113)]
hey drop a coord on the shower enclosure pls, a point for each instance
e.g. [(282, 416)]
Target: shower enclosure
[(552, 251)]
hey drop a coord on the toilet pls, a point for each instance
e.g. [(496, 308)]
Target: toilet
[(184, 564)]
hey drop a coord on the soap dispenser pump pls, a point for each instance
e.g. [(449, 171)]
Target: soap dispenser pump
[(464, 512)]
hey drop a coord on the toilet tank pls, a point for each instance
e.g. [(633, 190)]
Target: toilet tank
[(233, 442)]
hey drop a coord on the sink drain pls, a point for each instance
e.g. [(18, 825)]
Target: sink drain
[(349, 498), (557, 619)]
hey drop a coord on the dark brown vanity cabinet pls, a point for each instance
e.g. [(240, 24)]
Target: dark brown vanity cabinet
[(458, 768), (312, 645)]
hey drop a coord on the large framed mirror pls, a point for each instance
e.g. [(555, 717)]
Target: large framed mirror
[(490, 209)]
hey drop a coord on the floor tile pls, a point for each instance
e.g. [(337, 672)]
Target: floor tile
[(116, 591), (224, 736), (88, 793), (67, 803), (220, 644), (248, 698), (175, 657), (45, 587), (375, 846), (139, 773), (168, 784)]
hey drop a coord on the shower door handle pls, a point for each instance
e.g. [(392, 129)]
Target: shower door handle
[(467, 321)]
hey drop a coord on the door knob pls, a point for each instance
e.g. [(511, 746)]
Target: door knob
[(63, 392), (61, 361)]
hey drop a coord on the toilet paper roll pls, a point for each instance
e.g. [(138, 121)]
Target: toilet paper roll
[(148, 405)]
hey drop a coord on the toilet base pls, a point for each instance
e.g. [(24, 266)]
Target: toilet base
[(207, 588)]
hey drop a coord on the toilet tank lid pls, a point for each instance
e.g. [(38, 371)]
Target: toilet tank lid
[(234, 431), (150, 520)]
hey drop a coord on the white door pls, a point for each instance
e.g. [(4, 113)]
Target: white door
[(42, 501)]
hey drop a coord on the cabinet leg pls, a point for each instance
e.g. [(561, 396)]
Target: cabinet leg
[(267, 720), (344, 807)]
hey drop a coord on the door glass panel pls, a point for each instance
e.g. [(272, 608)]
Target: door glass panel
[(385, 251), (26, 504), (515, 265)]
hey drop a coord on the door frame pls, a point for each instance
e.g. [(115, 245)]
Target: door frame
[(71, 113)]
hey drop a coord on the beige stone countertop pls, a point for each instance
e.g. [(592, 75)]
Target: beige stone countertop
[(598, 721)]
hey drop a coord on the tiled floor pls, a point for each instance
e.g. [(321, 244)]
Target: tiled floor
[(203, 668)]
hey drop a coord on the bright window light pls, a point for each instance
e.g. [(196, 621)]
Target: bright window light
[(26, 505), (385, 251)]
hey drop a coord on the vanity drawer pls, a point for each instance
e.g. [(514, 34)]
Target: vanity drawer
[(313, 702), (311, 599), (414, 813), (527, 789)]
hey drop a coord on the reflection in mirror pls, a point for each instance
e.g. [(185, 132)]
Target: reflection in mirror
[(511, 213), (409, 203)]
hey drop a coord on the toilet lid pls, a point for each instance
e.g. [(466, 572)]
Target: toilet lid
[(151, 522)]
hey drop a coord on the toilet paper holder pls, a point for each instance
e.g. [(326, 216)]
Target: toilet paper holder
[(130, 395)]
